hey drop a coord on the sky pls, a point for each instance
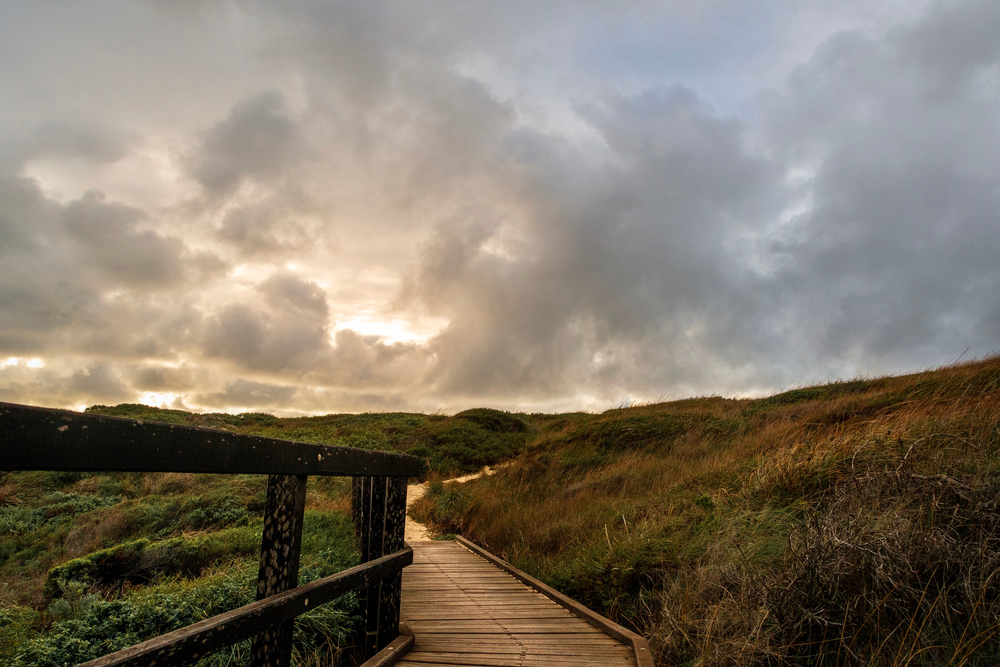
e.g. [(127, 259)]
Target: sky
[(313, 206)]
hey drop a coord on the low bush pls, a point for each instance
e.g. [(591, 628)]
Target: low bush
[(98, 626), (469, 440), (84, 571)]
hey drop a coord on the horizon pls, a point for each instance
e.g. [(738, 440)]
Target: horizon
[(624, 405), (314, 208)]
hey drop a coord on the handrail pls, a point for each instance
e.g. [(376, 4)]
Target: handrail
[(33, 438), (48, 439), (205, 637)]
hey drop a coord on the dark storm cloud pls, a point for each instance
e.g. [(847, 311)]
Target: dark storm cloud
[(669, 267), (163, 378), (585, 233), (248, 394), (59, 261), (621, 257), (896, 259), (257, 140), (99, 383)]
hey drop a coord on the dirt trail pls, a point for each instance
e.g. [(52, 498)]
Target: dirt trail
[(417, 532)]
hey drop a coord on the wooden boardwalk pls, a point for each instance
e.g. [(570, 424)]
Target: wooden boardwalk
[(463, 610)]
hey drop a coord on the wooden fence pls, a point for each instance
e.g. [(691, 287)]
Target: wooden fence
[(34, 438)]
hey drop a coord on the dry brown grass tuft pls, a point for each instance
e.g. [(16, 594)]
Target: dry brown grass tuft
[(97, 530)]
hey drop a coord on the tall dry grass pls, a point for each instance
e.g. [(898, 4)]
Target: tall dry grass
[(853, 523)]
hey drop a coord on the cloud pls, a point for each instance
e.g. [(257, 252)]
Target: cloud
[(286, 292), (164, 378), (953, 45), (257, 140), (108, 234), (261, 231), (692, 257), (561, 203), (248, 394), (63, 140), (366, 362), (88, 277), (892, 259), (613, 259), (99, 383), (284, 330)]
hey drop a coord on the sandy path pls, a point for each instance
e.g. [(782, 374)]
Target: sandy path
[(417, 532)]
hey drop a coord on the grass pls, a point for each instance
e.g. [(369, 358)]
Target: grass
[(855, 523), (847, 524), (92, 563)]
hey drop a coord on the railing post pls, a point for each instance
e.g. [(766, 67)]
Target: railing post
[(279, 562), (390, 588), (379, 512)]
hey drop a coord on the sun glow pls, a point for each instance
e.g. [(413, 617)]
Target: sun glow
[(392, 331), (34, 362), (158, 399)]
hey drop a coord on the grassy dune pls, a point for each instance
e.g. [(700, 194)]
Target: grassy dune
[(847, 524), (853, 523)]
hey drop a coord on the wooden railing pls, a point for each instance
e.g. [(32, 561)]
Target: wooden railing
[(43, 439)]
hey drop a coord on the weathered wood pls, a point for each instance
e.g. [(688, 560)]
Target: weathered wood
[(392, 653), (45, 439), (375, 517), (638, 643), (280, 547), (379, 512), (463, 610), (392, 540), (504, 659), (361, 515), (373, 549), (190, 644)]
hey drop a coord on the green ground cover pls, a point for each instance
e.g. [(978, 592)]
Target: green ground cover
[(92, 563), (855, 523)]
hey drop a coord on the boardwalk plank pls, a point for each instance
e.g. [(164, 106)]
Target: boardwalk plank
[(463, 610)]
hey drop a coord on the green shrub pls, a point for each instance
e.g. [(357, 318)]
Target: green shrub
[(469, 441), (143, 412), (139, 561), (85, 626), (54, 509), (16, 627)]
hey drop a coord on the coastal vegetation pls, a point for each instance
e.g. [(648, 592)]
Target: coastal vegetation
[(855, 523), (93, 563), (845, 524)]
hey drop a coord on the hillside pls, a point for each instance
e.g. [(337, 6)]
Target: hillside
[(852, 523), (92, 563)]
